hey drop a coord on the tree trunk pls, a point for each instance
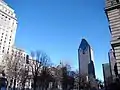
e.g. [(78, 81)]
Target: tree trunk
[(46, 85), (23, 85), (14, 84), (42, 85), (34, 84)]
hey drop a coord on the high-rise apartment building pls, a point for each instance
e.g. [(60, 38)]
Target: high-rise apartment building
[(86, 62), (112, 10), (8, 25)]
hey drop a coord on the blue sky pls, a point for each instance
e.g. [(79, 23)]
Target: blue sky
[(57, 27)]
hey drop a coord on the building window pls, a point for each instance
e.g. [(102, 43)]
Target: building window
[(2, 51), (9, 42), (7, 52), (1, 36), (1, 39), (112, 3), (83, 52), (2, 33), (10, 39), (117, 1), (118, 37), (4, 41), (12, 50), (3, 47)]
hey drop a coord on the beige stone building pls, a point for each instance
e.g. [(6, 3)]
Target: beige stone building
[(112, 10), (8, 26)]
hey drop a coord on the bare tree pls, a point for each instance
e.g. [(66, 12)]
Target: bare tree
[(67, 77), (13, 68), (2, 68), (45, 78), (57, 75), (38, 61), (23, 75), (62, 77)]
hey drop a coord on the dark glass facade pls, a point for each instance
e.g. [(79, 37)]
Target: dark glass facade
[(86, 62)]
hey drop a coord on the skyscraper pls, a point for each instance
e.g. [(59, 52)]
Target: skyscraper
[(86, 62), (112, 62), (112, 10), (107, 74), (8, 25)]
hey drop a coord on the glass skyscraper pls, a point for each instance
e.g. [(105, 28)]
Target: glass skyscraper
[(107, 74), (86, 61)]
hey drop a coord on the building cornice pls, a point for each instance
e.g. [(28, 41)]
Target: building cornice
[(9, 15), (116, 6)]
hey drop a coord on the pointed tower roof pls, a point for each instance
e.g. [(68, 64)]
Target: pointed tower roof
[(84, 44)]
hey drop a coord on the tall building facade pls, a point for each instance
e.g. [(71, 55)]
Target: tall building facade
[(86, 62), (107, 74), (8, 26), (17, 52), (112, 10), (112, 62)]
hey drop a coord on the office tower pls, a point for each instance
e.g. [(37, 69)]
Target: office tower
[(112, 10), (112, 62), (86, 62), (8, 25), (106, 74)]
